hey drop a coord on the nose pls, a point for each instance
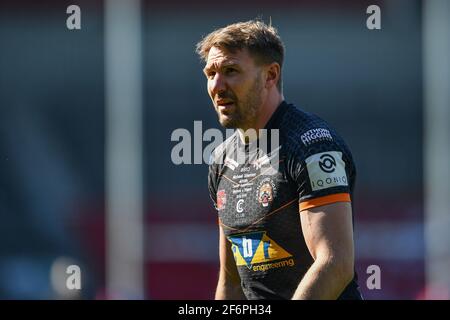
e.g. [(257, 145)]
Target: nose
[(217, 85)]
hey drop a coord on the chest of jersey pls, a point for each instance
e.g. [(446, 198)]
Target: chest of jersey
[(248, 194)]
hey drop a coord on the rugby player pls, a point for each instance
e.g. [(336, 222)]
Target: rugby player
[(286, 226)]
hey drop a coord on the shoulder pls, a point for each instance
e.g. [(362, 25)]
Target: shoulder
[(307, 135), (302, 129)]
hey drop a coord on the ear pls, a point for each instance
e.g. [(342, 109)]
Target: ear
[(272, 75)]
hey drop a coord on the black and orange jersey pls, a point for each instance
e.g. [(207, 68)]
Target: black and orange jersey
[(259, 196)]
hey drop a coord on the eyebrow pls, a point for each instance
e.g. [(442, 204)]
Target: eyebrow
[(224, 65)]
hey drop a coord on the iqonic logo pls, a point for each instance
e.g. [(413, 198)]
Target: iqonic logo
[(333, 181), (327, 163)]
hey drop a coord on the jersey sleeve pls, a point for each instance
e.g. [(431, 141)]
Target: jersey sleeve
[(323, 173)]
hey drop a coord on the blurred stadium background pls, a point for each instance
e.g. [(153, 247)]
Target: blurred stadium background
[(86, 118)]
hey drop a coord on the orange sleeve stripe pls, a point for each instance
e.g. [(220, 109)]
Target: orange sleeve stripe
[(317, 202)]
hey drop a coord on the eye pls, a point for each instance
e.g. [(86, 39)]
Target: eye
[(210, 74), (230, 70)]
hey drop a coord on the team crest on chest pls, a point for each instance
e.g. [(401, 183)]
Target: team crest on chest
[(266, 191)]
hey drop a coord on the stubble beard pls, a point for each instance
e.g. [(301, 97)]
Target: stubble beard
[(246, 110)]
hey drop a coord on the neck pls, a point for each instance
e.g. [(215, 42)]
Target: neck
[(265, 112)]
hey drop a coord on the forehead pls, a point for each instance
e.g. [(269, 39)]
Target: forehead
[(219, 56)]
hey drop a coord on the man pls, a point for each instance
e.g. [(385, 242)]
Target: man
[(285, 226)]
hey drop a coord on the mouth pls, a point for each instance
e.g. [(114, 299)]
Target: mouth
[(224, 106)]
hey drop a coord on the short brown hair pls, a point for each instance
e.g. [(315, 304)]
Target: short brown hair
[(261, 40)]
